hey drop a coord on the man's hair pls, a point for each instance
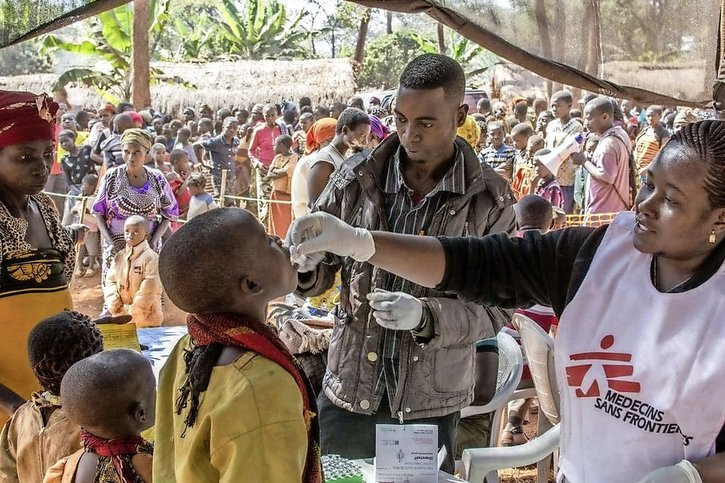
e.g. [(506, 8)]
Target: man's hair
[(588, 97), (484, 102), (66, 133), (433, 71), (58, 342), (124, 107), (521, 108), (306, 115), (706, 139), (655, 109), (228, 121), (495, 125), (351, 118), (522, 128), (186, 131), (305, 110), (197, 180), (159, 140), (176, 124), (536, 140), (533, 213), (564, 96), (269, 107), (284, 140), (177, 155), (103, 390), (212, 240), (305, 101), (356, 101), (601, 105), (323, 110), (206, 121)]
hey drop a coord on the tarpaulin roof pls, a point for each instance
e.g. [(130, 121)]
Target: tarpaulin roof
[(603, 46)]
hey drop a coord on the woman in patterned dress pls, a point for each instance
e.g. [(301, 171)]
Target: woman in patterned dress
[(133, 189), (36, 252)]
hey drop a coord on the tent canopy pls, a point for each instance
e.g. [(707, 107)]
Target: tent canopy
[(601, 46)]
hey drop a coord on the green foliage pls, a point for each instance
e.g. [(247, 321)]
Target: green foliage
[(109, 42), (385, 58), (261, 30)]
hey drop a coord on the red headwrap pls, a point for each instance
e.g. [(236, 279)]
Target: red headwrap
[(136, 118), (26, 117), (321, 131)]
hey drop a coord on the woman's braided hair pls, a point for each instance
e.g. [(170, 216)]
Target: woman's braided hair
[(199, 363), (707, 139), (58, 342)]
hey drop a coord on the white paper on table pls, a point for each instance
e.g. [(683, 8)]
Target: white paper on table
[(406, 453)]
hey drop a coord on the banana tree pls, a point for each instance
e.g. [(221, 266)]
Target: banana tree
[(109, 44), (261, 31), (474, 58), (196, 38)]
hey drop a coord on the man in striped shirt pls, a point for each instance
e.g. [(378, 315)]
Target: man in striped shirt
[(400, 352)]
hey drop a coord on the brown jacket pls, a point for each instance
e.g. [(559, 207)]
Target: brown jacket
[(28, 446), (435, 378)]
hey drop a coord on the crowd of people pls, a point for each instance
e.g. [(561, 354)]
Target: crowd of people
[(431, 221)]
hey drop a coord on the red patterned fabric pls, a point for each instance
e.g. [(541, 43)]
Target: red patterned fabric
[(26, 117), (115, 449), (233, 330)]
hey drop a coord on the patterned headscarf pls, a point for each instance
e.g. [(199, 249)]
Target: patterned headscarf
[(26, 117), (377, 128), (137, 136), (321, 131), (685, 116)]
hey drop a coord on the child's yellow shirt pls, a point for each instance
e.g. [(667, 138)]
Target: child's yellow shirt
[(250, 425)]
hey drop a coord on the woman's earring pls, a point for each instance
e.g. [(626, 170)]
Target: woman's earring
[(712, 239)]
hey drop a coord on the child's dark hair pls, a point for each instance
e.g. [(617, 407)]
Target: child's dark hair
[(707, 140), (177, 155), (91, 179), (197, 180), (533, 213), (351, 118), (283, 140), (67, 133), (58, 342)]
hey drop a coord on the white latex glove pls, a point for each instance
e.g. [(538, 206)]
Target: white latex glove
[(322, 232), (682, 472), (396, 310)]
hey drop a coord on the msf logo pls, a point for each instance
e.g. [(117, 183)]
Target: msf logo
[(593, 372)]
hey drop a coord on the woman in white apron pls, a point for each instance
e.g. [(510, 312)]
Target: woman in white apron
[(640, 351)]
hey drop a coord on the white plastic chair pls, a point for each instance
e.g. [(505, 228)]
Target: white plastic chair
[(483, 463), (510, 368)]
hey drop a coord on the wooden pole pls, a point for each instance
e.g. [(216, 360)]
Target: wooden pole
[(141, 90), (223, 188)]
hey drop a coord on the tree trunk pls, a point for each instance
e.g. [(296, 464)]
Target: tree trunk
[(595, 40), (542, 24), (362, 35), (389, 22), (441, 39), (560, 38), (141, 90)]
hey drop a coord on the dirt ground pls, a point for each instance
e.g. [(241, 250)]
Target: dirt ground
[(88, 299)]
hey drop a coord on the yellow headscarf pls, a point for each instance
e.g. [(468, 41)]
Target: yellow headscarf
[(470, 131), (137, 136)]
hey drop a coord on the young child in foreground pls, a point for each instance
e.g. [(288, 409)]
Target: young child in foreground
[(200, 201), (111, 395), (233, 404), (40, 432), (132, 283)]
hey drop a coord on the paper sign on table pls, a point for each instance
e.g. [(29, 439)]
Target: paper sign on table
[(406, 453), (119, 336)]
